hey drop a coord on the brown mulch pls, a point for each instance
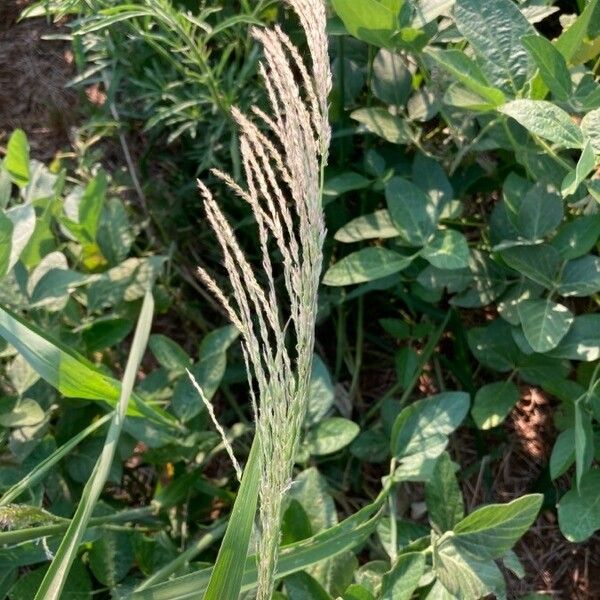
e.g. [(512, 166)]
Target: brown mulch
[(33, 74)]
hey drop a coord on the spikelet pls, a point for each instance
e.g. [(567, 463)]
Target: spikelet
[(283, 154)]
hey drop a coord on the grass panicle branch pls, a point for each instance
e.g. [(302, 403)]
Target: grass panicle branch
[(283, 155)]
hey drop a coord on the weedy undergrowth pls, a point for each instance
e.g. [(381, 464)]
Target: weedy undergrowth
[(283, 156)]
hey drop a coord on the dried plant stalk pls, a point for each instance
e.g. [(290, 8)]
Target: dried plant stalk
[(283, 156)]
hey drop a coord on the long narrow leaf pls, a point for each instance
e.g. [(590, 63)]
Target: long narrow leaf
[(295, 557), (54, 580), (226, 578), (41, 469), (66, 370)]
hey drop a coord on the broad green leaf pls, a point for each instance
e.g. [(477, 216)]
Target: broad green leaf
[(539, 263), (331, 435), (429, 175), (467, 71), (412, 211), (312, 491), (544, 323), (114, 235), (392, 80), (382, 123), (578, 237), (493, 402), (551, 64), (344, 182), (448, 249), (301, 586), (421, 430), (373, 21), (466, 99), (6, 233), (111, 557), (403, 579), (547, 120), (584, 440), (491, 531), (571, 39), (357, 592), (77, 587), (169, 353), (581, 342), (540, 211), (22, 217), (580, 277), (54, 580), (445, 506), (54, 287), (26, 413), (5, 187), (585, 165), (493, 346), (226, 577), (90, 205), (579, 510), (321, 393), (590, 125), (16, 161), (366, 265), (464, 575), (494, 30), (563, 453), (375, 225)]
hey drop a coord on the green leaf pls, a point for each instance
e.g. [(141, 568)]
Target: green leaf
[(579, 510), (412, 211), (366, 265), (491, 531), (114, 235), (581, 342), (580, 277), (584, 440), (111, 557), (448, 249), (169, 353), (344, 182), (590, 125), (77, 587), (563, 453), (494, 30), (551, 64), (545, 119), (293, 558), (321, 393), (16, 161), (375, 225), (421, 430), (331, 435), (26, 413), (6, 233), (578, 237), (571, 39), (373, 21), (5, 187), (493, 402), (301, 586), (585, 165), (54, 580), (403, 579), (226, 577), (357, 592), (392, 81), (463, 575), (544, 323), (90, 205), (387, 126), (493, 346), (540, 211), (467, 71), (429, 175), (539, 263), (443, 497), (22, 217)]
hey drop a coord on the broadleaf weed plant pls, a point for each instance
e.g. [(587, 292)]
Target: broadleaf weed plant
[(283, 156)]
